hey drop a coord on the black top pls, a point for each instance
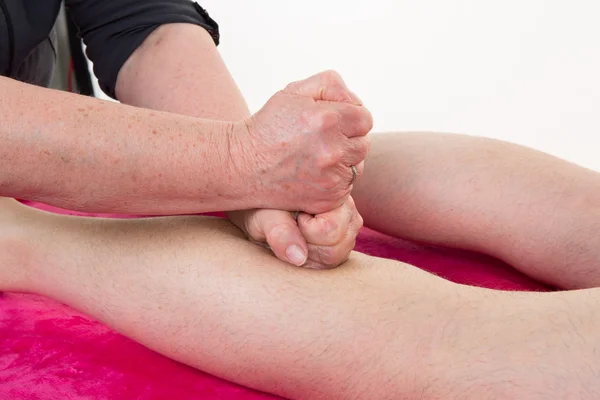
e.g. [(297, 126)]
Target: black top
[(111, 30)]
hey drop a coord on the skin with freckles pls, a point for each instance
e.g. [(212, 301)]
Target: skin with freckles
[(85, 154), (109, 157)]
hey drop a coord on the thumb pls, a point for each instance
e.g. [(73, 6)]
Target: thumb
[(283, 236), (326, 86)]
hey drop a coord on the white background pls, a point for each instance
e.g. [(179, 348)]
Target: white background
[(526, 71)]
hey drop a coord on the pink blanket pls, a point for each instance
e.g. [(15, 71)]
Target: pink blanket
[(50, 351)]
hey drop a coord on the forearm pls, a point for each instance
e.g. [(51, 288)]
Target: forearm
[(179, 69), (530, 209), (85, 154)]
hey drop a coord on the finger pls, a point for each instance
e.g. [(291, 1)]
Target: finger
[(353, 120), (324, 257), (327, 228), (327, 257), (356, 150), (327, 86), (284, 237), (347, 119), (318, 207), (360, 169)]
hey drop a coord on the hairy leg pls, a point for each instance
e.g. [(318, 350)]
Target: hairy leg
[(195, 290), (534, 211)]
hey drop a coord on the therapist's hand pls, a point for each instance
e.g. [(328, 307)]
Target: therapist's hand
[(296, 153), (319, 241)]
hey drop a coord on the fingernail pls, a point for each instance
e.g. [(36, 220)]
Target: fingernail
[(296, 255)]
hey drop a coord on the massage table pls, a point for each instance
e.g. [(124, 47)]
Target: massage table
[(50, 351)]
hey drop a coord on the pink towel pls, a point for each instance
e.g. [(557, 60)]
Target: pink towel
[(50, 351)]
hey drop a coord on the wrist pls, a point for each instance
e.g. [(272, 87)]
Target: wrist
[(221, 185), (240, 169)]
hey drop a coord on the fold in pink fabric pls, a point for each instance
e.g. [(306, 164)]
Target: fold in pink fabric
[(50, 351)]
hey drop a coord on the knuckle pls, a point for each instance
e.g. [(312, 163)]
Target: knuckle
[(336, 87), (253, 227), (323, 120), (360, 152), (291, 87), (352, 246), (329, 158), (366, 144), (341, 194), (338, 235), (333, 232), (331, 76), (360, 167), (351, 204), (368, 120), (365, 120), (329, 186), (276, 231), (359, 221), (355, 113), (336, 183), (327, 256)]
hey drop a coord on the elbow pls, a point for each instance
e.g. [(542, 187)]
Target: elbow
[(111, 41)]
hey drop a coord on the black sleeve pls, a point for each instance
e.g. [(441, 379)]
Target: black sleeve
[(112, 30)]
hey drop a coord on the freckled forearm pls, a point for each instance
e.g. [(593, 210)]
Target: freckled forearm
[(85, 154), (179, 69)]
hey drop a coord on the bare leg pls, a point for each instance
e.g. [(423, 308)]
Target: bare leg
[(196, 290), (534, 211), (193, 289)]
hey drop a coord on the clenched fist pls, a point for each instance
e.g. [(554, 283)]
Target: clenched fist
[(313, 241), (305, 147)]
